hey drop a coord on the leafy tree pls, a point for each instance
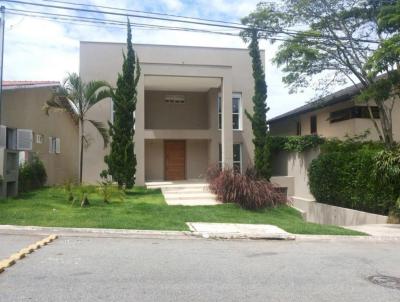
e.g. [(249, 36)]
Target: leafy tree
[(259, 117), (77, 97), (122, 160), (333, 42)]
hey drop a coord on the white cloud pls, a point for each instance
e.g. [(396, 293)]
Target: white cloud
[(174, 5), (46, 50)]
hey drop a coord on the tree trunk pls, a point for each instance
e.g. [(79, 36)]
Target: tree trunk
[(81, 154), (386, 125), (371, 115)]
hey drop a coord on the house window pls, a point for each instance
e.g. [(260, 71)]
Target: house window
[(353, 112), (313, 124), (236, 111), (298, 128), (54, 145), (11, 138), (39, 138), (237, 157)]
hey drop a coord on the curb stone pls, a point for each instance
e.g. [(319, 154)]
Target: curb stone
[(151, 234)]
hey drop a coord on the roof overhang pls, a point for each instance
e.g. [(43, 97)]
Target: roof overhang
[(180, 83)]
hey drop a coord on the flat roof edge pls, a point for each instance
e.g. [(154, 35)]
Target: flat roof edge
[(169, 45)]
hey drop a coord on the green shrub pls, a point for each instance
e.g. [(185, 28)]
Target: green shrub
[(343, 175), (294, 143), (32, 175), (387, 173)]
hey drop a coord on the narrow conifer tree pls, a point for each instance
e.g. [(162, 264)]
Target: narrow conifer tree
[(259, 117), (122, 160)]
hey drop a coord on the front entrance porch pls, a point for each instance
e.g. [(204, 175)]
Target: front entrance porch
[(187, 103), (186, 193), (176, 159)]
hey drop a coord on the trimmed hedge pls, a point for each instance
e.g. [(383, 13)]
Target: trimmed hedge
[(343, 175)]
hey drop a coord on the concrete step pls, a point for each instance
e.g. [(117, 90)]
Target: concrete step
[(176, 186), (189, 195), (204, 189), (192, 202)]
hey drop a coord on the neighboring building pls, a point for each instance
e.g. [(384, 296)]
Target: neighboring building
[(337, 115), (190, 110), (53, 138)]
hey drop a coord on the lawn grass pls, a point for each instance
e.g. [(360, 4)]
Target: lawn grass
[(145, 210)]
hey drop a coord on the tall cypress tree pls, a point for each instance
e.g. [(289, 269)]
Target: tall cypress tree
[(260, 109), (122, 160)]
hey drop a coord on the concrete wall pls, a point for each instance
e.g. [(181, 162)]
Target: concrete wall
[(154, 159), (327, 214), (294, 165), (233, 66), (193, 114), (196, 158), (23, 109)]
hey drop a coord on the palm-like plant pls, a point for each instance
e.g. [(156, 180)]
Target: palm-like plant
[(77, 97)]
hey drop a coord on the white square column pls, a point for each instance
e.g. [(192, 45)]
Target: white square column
[(139, 134), (226, 124)]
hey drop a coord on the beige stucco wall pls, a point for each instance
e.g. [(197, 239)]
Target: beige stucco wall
[(154, 159), (23, 109), (295, 166), (196, 158), (232, 65), (193, 114), (340, 129)]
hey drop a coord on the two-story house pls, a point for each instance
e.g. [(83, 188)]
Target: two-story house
[(190, 109)]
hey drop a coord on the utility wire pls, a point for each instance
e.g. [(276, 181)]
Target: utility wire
[(53, 16), (177, 20), (92, 21), (143, 12)]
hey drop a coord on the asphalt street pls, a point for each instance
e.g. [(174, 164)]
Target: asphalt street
[(123, 269)]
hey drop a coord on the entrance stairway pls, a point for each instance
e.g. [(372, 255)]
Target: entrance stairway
[(186, 193)]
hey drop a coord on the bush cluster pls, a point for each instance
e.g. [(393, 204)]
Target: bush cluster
[(32, 175), (246, 190), (294, 143), (345, 175)]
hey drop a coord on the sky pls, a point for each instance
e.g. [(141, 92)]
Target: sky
[(38, 49)]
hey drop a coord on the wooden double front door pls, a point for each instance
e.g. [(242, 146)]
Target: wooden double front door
[(175, 159)]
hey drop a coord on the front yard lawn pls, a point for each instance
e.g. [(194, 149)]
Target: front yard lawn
[(145, 210)]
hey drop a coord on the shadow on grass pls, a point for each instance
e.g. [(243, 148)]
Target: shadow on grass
[(141, 192)]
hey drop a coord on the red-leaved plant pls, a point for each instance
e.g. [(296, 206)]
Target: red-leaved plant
[(246, 190)]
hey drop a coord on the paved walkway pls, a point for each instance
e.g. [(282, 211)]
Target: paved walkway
[(378, 230), (185, 193), (238, 230)]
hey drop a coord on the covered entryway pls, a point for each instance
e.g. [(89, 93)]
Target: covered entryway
[(175, 159)]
